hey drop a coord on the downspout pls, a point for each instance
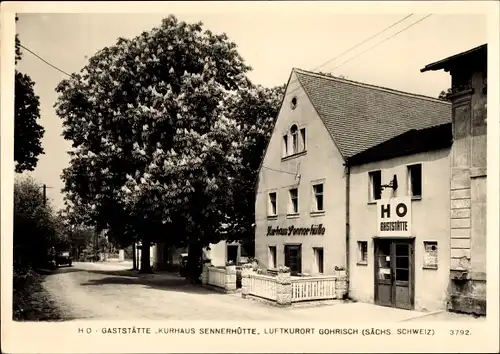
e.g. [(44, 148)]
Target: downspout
[(347, 223)]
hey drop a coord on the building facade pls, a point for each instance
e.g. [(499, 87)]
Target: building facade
[(169, 257), (340, 152), (467, 292)]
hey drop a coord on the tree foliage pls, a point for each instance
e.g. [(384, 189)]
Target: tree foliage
[(152, 147), (257, 109), (28, 133), (36, 227), (443, 95)]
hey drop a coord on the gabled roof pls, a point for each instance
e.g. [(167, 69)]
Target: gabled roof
[(360, 116), (460, 58)]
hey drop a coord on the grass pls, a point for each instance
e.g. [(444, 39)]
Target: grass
[(31, 302)]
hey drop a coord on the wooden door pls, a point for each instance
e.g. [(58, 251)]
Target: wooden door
[(394, 273)]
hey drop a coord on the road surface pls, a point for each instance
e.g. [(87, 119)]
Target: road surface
[(99, 291)]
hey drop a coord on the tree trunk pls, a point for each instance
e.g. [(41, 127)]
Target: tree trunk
[(134, 260), (145, 256), (194, 261)]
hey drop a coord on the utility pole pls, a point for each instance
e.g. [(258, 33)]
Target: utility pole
[(44, 193)]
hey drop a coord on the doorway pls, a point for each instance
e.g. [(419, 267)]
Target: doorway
[(293, 258), (232, 254), (394, 273)]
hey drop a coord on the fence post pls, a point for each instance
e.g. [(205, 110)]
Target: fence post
[(340, 283), (204, 274), (230, 281), (246, 272), (284, 289)]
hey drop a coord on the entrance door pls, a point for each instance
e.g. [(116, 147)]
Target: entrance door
[(394, 273), (293, 258)]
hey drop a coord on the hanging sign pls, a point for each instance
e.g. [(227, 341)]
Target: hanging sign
[(394, 217)]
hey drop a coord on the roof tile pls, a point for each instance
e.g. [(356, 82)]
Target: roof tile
[(360, 116)]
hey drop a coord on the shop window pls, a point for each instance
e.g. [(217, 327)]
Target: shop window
[(318, 258), (303, 136), (362, 252), (272, 210), (375, 182), (293, 258), (415, 181), (430, 254), (285, 145), (318, 197), (294, 201), (295, 139), (272, 257)]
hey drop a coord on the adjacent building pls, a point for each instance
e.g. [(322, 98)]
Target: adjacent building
[(467, 218), (356, 176)]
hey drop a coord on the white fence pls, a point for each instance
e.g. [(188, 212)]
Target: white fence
[(217, 277), (262, 286), (313, 288)]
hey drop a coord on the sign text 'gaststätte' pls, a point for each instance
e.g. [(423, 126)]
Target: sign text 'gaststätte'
[(394, 217)]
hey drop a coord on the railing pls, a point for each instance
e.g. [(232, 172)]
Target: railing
[(263, 286), (217, 277), (313, 288)]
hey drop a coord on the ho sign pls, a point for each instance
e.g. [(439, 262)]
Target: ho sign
[(394, 217)]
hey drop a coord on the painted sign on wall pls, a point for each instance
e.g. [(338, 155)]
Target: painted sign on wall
[(394, 217), (296, 231)]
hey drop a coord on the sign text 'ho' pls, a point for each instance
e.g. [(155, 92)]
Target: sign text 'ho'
[(394, 217), (296, 231)]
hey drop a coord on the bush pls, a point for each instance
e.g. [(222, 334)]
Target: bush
[(30, 300)]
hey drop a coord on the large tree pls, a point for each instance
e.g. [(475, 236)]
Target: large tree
[(153, 152), (28, 133), (256, 107)]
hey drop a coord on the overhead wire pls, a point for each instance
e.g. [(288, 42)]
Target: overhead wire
[(45, 61)]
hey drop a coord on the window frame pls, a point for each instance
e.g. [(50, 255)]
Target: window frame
[(269, 204), (317, 268), (314, 204), (371, 186), (291, 211), (409, 172), (270, 256), (362, 254), (294, 133), (303, 135), (285, 145)]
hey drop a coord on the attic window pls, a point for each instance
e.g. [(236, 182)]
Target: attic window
[(293, 103)]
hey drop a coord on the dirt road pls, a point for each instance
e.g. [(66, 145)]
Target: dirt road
[(113, 292)]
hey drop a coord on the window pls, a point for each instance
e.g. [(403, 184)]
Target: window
[(375, 185), (285, 145), (303, 136), (272, 257), (295, 139), (415, 180), (294, 201), (293, 258), (318, 197), (272, 211), (318, 257), (430, 254), (362, 252)]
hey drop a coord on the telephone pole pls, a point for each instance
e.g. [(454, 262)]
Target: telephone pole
[(44, 193)]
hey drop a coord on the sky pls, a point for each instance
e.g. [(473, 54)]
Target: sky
[(271, 42)]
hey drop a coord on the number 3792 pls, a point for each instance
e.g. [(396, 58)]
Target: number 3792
[(460, 332)]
